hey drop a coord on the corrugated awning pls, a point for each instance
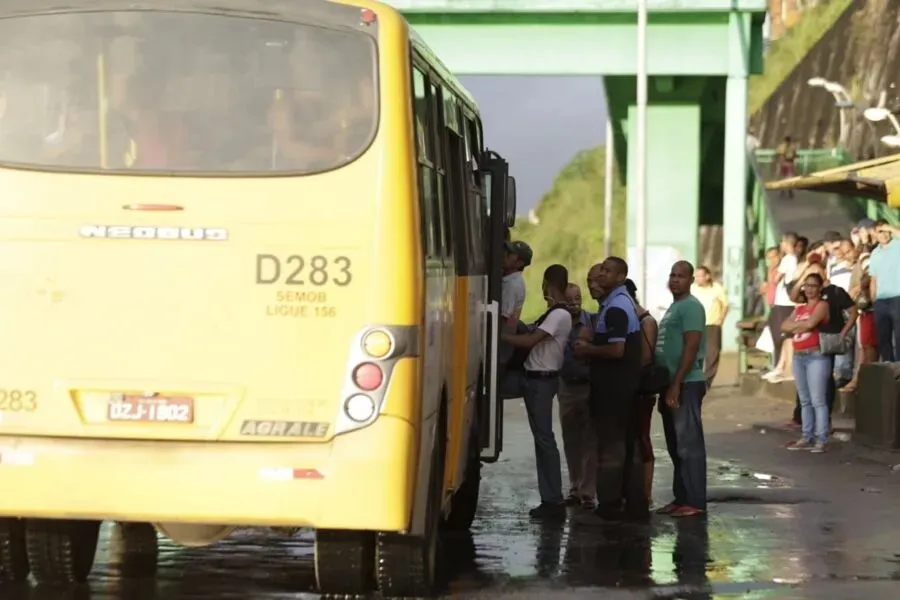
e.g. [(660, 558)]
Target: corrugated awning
[(878, 179)]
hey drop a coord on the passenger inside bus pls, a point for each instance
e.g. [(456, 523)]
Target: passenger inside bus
[(76, 137), (300, 134)]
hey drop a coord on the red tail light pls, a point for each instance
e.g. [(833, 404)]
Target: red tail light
[(367, 17), (368, 377)]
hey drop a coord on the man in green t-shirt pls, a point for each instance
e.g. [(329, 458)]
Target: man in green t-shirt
[(680, 348)]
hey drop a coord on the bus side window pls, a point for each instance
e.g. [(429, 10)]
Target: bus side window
[(425, 150), (442, 209), (475, 199), (457, 185)]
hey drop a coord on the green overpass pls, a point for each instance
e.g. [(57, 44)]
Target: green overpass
[(699, 55)]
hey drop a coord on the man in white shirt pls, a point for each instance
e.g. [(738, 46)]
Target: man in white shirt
[(712, 296), (783, 307), (546, 343)]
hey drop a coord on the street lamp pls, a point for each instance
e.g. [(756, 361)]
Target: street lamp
[(877, 114), (842, 101)]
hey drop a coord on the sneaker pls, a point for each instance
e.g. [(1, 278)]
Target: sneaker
[(818, 448), (800, 445), (771, 375), (548, 510)]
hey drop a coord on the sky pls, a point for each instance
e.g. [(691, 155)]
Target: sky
[(538, 124)]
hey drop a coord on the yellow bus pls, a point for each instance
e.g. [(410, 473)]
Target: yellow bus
[(250, 258)]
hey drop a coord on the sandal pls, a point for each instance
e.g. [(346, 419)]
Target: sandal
[(686, 511), (668, 509), (587, 503)]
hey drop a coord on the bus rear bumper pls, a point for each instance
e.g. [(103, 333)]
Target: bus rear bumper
[(360, 480)]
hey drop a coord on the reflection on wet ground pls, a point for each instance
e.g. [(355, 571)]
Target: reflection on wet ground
[(764, 538)]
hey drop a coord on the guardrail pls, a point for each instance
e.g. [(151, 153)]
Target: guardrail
[(762, 231)]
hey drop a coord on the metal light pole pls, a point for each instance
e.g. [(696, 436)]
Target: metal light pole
[(842, 101), (640, 185), (608, 190)]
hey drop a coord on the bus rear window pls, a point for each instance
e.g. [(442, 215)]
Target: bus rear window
[(147, 91)]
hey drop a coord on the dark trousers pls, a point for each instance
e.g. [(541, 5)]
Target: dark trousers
[(830, 395), (620, 460), (687, 447), (713, 349), (887, 323), (539, 397)]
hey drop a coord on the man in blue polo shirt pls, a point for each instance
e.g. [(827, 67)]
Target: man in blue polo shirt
[(884, 273), (615, 366)]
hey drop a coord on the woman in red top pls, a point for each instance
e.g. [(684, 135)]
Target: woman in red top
[(812, 369)]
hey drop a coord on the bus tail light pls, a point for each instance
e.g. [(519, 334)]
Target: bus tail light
[(359, 408), (378, 343), (367, 17), (368, 377)]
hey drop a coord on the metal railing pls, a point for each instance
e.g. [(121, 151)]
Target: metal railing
[(762, 231)]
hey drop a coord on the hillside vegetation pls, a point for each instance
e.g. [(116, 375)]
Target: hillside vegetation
[(785, 53), (570, 228)]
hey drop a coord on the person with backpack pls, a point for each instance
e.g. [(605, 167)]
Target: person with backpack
[(545, 344)]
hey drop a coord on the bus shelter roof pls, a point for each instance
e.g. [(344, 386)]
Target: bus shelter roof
[(878, 179)]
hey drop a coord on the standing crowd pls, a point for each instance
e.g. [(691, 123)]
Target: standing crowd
[(609, 369), (833, 304)]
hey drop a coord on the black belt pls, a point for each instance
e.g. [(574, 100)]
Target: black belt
[(541, 374)]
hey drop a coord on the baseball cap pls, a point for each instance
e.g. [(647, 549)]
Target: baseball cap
[(520, 249), (866, 224)]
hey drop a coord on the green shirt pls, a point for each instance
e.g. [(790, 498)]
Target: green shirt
[(684, 315)]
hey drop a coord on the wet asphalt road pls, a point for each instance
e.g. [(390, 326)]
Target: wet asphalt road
[(781, 525)]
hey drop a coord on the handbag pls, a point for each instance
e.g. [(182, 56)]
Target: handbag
[(654, 377), (835, 343)]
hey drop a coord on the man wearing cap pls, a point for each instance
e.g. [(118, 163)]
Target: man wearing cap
[(512, 297), (512, 289)]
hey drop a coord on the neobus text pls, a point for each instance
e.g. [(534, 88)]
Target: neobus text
[(295, 269), (127, 232)]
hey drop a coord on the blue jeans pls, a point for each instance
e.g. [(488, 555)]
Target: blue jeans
[(887, 322), (687, 448), (812, 371), (539, 396)]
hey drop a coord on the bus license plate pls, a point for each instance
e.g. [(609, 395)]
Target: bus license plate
[(125, 407)]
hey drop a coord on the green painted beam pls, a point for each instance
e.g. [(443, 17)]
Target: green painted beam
[(588, 49), (537, 6), (561, 18)]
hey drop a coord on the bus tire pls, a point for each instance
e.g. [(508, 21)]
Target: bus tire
[(135, 549), (61, 551), (345, 562), (464, 503), (14, 567), (408, 565)]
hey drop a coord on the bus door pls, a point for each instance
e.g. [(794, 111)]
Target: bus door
[(500, 193)]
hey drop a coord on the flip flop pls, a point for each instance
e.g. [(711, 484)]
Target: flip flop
[(668, 509), (686, 511)]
